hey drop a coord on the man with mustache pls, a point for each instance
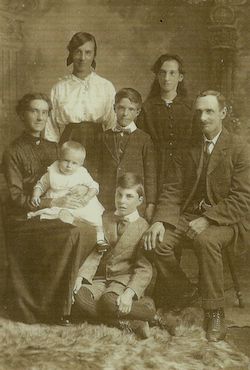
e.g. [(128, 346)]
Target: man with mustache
[(206, 202)]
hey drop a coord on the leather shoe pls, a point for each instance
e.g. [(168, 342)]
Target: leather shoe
[(139, 327), (216, 329), (102, 246), (160, 321)]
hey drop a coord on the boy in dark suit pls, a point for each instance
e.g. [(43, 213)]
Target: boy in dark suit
[(112, 285), (125, 148)]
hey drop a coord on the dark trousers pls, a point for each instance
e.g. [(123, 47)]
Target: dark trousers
[(208, 248), (106, 307)]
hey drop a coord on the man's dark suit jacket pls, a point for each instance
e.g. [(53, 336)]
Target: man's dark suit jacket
[(227, 186), (138, 157)]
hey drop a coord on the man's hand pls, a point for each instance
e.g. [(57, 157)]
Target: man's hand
[(152, 235), (125, 300), (197, 226), (149, 212)]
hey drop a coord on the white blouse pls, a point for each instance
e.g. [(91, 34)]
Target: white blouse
[(76, 100)]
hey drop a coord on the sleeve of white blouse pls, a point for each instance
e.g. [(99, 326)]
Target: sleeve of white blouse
[(51, 132), (43, 184), (52, 129), (89, 182), (109, 119)]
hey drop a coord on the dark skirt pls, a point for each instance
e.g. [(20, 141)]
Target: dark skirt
[(44, 258), (89, 135)]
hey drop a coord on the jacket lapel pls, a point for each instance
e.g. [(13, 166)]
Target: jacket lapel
[(110, 227), (129, 237), (110, 143), (219, 152), (197, 154)]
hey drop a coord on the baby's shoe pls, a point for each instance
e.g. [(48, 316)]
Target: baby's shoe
[(102, 246), (64, 321)]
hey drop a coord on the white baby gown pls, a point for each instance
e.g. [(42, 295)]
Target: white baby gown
[(56, 185)]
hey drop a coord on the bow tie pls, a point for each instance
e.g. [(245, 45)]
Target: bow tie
[(124, 130), (122, 224), (121, 219)]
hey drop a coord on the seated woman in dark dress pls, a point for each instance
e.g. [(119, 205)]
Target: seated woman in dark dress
[(44, 256)]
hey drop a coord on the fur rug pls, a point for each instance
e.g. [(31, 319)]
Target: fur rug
[(98, 347)]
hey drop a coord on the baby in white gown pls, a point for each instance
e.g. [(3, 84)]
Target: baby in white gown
[(62, 178)]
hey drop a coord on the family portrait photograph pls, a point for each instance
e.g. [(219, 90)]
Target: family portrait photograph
[(125, 185)]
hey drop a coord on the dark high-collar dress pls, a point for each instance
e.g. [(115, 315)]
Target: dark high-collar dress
[(24, 162), (43, 256), (170, 127)]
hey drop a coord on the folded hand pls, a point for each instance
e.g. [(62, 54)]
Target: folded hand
[(68, 201)]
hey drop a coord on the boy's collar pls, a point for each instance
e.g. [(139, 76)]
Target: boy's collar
[(131, 127), (131, 217)]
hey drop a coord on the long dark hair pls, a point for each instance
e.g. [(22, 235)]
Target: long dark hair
[(155, 89)]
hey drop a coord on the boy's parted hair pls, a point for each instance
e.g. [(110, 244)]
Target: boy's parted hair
[(73, 145), (127, 92), (129, 180), (24, 103)]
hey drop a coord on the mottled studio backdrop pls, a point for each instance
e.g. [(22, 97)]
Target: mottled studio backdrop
[(130, 34)]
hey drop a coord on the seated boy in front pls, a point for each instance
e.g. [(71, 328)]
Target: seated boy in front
[(125, 148), (112, 284)]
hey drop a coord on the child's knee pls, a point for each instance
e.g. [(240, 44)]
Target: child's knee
[(108, 303)]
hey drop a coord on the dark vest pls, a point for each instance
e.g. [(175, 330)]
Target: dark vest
[(201, 191)]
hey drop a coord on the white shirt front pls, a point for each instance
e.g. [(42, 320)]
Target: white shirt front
[(76, 100), (211, 142), (132, 127)]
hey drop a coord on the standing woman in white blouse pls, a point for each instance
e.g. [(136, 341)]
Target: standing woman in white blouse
[(82, 101)]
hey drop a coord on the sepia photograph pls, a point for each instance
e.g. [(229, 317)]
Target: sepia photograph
[(125, 185)]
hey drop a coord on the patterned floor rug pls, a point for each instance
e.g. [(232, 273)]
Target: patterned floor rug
[(98, 347)]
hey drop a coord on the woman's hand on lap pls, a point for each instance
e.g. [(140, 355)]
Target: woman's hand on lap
[(67, 201)]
